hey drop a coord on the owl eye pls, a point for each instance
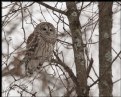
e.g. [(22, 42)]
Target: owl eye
[(50, 29)]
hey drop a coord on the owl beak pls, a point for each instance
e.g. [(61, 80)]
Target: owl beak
[(47, 32)]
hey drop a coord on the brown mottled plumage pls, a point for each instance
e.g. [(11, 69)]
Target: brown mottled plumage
[(40, 45)]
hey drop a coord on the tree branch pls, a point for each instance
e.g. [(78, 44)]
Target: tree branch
[(105, 70), (89, 68), (52, 8), (71, 74)]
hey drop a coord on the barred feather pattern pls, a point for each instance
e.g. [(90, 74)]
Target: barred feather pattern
[(40, 48)]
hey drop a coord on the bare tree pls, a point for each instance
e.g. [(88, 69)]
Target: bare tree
[(105, 55), (72, 70)]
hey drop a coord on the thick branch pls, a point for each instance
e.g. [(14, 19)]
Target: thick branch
[(71, 74)]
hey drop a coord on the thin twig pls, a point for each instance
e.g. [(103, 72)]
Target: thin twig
[(105, 70), (52, 8)]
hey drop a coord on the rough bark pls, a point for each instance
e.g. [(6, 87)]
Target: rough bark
[(105, 55), (78, 47)]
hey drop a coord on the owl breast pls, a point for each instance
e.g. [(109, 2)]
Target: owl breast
[(43, 53)]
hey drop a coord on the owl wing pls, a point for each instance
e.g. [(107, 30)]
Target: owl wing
[(30, 49), (31, 44)]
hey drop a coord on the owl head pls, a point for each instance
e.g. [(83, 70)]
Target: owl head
[(45, 28)]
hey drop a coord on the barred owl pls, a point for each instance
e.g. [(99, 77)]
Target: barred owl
[(39, 47)]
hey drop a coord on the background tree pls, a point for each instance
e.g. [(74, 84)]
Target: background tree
[(105, 54)]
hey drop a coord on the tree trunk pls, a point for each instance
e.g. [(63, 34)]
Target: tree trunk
[(74, 24), (105, 55)]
